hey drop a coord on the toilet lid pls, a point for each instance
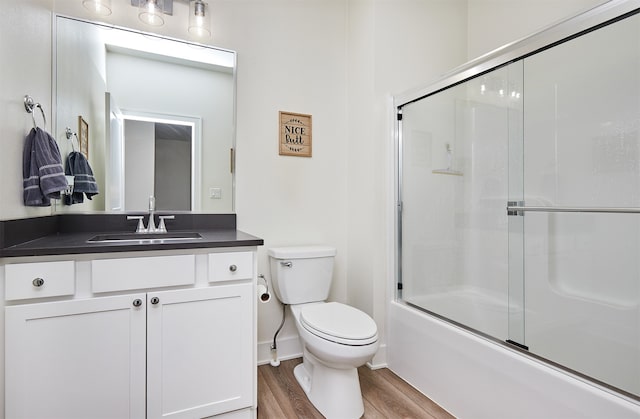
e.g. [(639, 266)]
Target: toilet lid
[(339, 323)]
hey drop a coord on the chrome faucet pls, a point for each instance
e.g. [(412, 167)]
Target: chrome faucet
[(151, 226)]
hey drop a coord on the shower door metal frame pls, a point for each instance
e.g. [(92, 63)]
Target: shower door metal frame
[(398, 203)]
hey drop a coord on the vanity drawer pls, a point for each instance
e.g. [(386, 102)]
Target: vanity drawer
[(142, 272), (230, 266), (39, 280)]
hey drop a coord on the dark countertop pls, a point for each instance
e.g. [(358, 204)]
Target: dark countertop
[(54, 236), (77, 243)]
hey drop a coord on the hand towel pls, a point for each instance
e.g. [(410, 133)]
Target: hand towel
[(84, 182), (43, 175)]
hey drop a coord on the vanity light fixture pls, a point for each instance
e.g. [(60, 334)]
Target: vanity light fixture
[(100, 7), (152, 13), (199, 19)]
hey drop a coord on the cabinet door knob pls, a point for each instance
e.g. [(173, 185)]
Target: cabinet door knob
[(233, 268), (137, 302), (155, 300), (38, 282)]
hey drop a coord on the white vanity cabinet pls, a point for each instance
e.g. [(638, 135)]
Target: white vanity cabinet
[(199, 351), (76, 359), (163, 335)]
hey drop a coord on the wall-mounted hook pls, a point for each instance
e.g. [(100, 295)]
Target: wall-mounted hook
[(69, 134), (29, 104)]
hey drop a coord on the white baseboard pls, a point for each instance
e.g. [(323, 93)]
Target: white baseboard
[(379, 359), (288, 348)]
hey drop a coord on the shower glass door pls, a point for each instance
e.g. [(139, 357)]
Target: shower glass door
[(582, 153), (519, 203), (454, 189)]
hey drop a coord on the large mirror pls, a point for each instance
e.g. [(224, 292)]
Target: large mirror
[(153, 116)]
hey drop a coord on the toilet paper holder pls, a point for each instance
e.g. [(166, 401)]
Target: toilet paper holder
[(264, 296)]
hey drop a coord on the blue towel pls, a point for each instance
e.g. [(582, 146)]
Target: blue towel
[(84, 182), (43, 175)]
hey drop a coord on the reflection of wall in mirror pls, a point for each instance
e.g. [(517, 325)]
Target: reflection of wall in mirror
[(81, 92)]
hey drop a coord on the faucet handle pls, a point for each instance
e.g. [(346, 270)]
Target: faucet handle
[(162, 228), (140, 228)]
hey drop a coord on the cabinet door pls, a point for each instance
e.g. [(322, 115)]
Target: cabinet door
[(76, 359), (200, 351)]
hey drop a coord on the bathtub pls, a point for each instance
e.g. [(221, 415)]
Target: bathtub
[(474, 377)]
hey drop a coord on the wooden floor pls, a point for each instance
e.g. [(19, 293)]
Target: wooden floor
[(385, 395)]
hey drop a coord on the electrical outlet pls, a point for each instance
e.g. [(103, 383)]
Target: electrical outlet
[(215, 193)]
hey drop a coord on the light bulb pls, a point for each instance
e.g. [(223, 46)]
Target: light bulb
[(99, 7), (150, 12), (199, 18)]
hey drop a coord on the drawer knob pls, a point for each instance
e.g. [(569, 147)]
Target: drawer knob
[(233, 268), (137, 302), (155, 300), (38, 282)]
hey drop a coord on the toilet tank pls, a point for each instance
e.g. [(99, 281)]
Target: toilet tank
[(301, 274)]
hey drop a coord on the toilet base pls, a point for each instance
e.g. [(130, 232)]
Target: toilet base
[(334, 392)]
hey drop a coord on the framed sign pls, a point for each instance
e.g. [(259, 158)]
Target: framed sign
[(83, 136), (295, 134)]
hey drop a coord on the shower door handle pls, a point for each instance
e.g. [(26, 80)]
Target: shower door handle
[(519, 208)]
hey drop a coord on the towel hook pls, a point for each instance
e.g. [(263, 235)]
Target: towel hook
[(29, 104), (69, 133)]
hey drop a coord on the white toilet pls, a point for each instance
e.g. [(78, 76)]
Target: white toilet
[(336, 338)]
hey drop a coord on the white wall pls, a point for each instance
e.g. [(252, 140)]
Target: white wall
[(25, 51), (493, 23), (291, 57), (393, 46)]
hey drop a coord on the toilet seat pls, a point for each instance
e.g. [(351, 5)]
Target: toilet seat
[(339, 323)]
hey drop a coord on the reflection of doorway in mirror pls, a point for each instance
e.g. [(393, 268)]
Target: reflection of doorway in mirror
[(172, 180), (161, 159)]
